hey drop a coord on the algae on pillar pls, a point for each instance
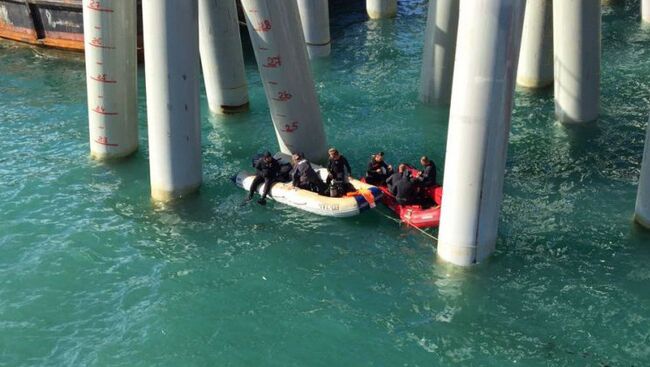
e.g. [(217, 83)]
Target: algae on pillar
[(576, 41), (378, 9), (222, 57), (535, 68), (279, 45), (315, 19), (489, 35), (111, 77), (642, 209), (436, 75), (171, 52)]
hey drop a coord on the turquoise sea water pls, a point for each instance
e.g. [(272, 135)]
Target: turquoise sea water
[(92, 274)]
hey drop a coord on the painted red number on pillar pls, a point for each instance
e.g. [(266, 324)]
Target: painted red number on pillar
[(103, 140), (264, 26), (291, 128), (96, 5), (273, 62), (283, 96)]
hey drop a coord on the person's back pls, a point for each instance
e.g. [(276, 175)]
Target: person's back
[(304, 176), (404, 190)]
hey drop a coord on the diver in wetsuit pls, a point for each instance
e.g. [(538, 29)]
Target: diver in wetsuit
[(266, 171), (339, 170), (393, 181), (303, 175), (427, 177), (378, 171), (404, 187)]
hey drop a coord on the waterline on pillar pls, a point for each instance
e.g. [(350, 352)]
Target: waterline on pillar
[(164, 195), (106, 156)]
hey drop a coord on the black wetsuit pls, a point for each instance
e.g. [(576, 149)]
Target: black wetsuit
[(394, 179), (338, 169), (427, 177), (265, 172), (304, 177), (404, 190), (377, 178)]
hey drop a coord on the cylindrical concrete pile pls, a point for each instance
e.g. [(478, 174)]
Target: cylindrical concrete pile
[(222, 57), (437, 71), (171, 51), (279, 45), (111, 77), (315, 18), (479, 124), (378, 9), (535, 68)]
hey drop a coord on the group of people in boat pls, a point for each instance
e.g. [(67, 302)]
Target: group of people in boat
[(406, 188)]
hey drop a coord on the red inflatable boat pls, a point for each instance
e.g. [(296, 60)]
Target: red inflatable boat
[(420, 216)]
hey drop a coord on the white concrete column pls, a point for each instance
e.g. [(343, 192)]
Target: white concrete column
[(642, 210), (378, 9), (222, 58), (437, 71), (111, 76), (489, 35), (315, 18), (576, 35), (535, 68), (279, 45), (171, 52), (645, 11)]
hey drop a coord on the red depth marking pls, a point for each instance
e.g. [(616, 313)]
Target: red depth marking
[(273, 62), (97, 6), (102, 78), (100, 110), (97, 42), (291, 128), (103, 140), (283, 96), (264, 26)]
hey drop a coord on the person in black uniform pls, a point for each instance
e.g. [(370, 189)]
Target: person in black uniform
[(266, 171), (339, 169), (427, 177), (303, 175), (393, 180), (404, 187), (378, 171)]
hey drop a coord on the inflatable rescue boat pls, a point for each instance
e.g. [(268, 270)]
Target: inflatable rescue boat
[(353, 203), (421, 215)]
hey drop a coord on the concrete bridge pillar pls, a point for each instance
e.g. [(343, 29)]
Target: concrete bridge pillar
[(279, 45), (439, 50), (315, 19), (645, 11), (378, 9), (111, 77), (171, 51), (489, 37), (535, 68), (642, 210), (576, 40), (222, 58)]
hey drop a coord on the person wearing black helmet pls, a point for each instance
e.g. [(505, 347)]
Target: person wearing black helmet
[(303, 175), (266, 171), (378, 171)]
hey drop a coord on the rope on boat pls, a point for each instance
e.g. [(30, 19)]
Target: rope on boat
[(409, 224)]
